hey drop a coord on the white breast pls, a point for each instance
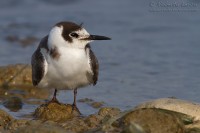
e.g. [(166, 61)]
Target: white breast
[(69, 71)]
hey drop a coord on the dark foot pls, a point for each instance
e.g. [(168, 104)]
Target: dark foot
[(74, 108), (54, 99)]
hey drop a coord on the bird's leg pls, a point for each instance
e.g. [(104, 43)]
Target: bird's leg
[(75, 94), (74, 107), (54, 99)]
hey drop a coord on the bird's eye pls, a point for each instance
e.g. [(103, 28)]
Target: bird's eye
[(74, 35)]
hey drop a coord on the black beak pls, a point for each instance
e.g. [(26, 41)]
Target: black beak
[(97, 37)]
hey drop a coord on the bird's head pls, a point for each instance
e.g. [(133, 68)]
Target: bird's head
[(68, 34)]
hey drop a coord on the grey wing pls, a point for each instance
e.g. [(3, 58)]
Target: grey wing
[(39, 67), (94, 65)]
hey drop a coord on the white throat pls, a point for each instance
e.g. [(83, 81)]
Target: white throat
[(55, 37)]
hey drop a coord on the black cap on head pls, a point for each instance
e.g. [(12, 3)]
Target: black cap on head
[(68, 27)]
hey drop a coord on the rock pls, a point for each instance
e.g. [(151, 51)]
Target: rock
[(151, 121), (19, 74), (15, 80), (91, 102), (194, 130), (75, 125), (181, 106), (159, 116), (36, 126), (28, 40), (24, 92), (97, 104), (25, 41), (59, 118), (5, 118), (93, 120), (15, 124), (91, 123), (55, 111), (12, 38), (85, 100), (70, 123), (108, 111), (133, 128), (13, 103), (4, 131)]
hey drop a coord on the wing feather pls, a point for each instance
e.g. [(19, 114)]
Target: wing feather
[(39, 63), (94, 65)]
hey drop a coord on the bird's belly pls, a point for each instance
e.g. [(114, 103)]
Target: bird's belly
[(68, 72)]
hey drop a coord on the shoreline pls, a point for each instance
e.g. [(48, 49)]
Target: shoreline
[(166, 115)]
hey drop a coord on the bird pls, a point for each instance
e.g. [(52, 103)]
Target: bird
[(64, 59)]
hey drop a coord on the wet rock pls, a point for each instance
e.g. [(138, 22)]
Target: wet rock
[(91, 123), (5, 118), (18, 77), (59, 118), (55, 111), (13, 104), (36, 126), (15, 124), (108, 111), (25, 41), (151, 121), (82, 124), (4, 131), (12, 38), (182, 106), (133, 128), (97, 104), (194, 127), (16, 81), (91, 102), (194, 130), (75, 125), (26, 92), (19, 74), (140, 121), (93, 120), (55, 117), (85, 100)]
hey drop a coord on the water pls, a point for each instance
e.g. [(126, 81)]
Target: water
[(154, 52)]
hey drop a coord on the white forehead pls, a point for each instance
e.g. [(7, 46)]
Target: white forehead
[(82, 32)]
